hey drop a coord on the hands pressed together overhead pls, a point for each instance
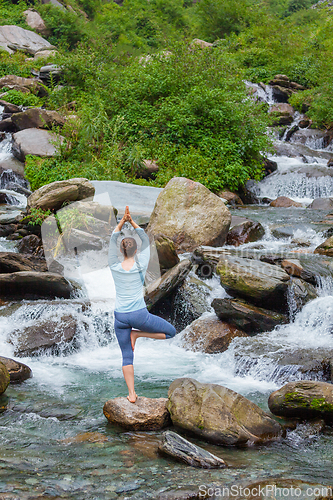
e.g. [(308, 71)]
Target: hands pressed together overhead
[(126, 218)]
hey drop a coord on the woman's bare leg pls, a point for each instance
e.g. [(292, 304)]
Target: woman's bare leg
[(128, 372), (135, 334)]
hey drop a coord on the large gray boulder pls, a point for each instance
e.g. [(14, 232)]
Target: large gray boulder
[(210, 335), (189, 214), (182, 450), (322, 204), (37, 142), (304, 399), (51, 196), (219, 415), (37, 118), (249, 318), (144, 414), (13, 38), (34, 285), (260, 283)]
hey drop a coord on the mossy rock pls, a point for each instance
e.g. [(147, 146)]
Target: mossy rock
[(305, 399), (4, 378)]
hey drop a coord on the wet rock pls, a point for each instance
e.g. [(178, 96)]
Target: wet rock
[(322, 204), (304, 123), (304, 399), (9, 107), (289, 135), (34, 285), (316, 139), (12, 164), (167, 255), (300, 293), (50, 71), (165, 285), (244, 231), (4, 378), (12, 262), (247, 195), (283, 114), (179, 448), (219, 415), (8, 199), (18, 372), (249, 318), (232, 198), (190, 302), (7, 125), (51, 196), (13, 38), (13, 186), (29, 244), (37, 118), (270, 166), (25, 85), (284, 202), (144, 414), (210, 335), (189, 214), (294, 268), (326, 248), (258, 282), (46, 336), (37, 142), (86, 437), (34, 20)]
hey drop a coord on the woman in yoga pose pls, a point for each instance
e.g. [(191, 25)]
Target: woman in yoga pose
[(130, 308)]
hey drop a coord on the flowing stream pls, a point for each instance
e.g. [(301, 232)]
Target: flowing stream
[(54, 438)]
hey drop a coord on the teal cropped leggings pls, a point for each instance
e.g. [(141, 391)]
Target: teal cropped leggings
[(140, 320)]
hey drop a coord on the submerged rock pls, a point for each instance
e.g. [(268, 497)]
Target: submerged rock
[(189, 214), (4, 378), (47, 336), (304, 399), (263, 284), (144, 414), (210, 335), (249, 318), (18, 372), (179, 448), (219, 415)]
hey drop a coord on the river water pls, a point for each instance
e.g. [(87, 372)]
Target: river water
[(55, 440)]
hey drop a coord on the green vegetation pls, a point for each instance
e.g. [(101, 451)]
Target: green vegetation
[(20, 99), (141, 89), (321, 405), (36, 216)]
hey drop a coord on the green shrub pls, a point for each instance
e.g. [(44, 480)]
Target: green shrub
[(20, 99)]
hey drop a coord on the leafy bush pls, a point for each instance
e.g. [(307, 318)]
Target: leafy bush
[(12, 13), (20, 99)]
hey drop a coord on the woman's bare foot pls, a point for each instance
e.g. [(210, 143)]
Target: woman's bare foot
[(134, 336), (132, 398)]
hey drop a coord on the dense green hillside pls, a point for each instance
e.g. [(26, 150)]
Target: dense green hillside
[(142, 90)]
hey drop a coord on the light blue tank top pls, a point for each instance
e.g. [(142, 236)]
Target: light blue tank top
[(129, 286)]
